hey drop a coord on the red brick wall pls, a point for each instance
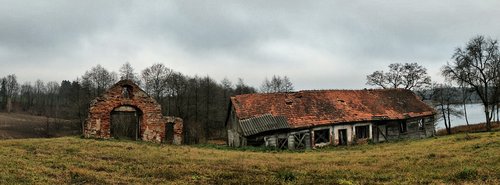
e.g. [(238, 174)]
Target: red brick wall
[(152, 127)]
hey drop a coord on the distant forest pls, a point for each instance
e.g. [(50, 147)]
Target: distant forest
[(201, 102)]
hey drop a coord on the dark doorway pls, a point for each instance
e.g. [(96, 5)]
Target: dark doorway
[(342, 136), (125, 123), (169, 133), (403, 127)]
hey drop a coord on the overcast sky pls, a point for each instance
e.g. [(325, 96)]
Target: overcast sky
[(318, 44)]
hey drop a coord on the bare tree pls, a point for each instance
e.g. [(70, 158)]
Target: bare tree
[(208, 102), (27, 96), (99, 79), (39, 91), (127, 73), (155, 80), (39, 101), (242, 88), (277, 84), (3, 93), (465, 97), (227, 86), (445, 98), (12, 88), (52, 104), (265, 87), (178, 86), (498, 96), (407, 76), (478, 66)]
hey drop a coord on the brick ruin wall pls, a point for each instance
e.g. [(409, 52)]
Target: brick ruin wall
[(152, 122)]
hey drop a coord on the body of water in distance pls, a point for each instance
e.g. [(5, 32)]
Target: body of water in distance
[(475, 114)]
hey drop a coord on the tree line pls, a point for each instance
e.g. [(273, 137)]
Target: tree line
[(201, 101), (473, 74)]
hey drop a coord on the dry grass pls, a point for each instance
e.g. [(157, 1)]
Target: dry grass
[(448, 159), (480, 127)]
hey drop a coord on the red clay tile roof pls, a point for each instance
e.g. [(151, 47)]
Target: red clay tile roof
[(322, 107)]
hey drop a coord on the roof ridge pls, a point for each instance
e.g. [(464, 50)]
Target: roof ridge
[(364, 89), (324, 90)]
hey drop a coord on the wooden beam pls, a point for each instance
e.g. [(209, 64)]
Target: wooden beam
[(380, 132)]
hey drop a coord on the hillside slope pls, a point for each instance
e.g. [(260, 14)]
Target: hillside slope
[(18, 125), (459, 158)]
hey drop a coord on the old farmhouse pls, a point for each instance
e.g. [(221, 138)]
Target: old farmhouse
[(126, 111), (309, 119)]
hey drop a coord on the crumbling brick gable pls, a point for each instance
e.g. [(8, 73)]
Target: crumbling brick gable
[(126, 93)]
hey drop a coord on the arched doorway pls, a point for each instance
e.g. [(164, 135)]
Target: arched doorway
[(125, 123)]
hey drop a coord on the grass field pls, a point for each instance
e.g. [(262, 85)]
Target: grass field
[(473, 159)]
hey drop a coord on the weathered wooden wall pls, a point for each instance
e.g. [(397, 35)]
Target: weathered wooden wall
[(379, 131)]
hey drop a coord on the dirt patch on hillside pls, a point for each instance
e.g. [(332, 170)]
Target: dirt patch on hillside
[(17, 125)]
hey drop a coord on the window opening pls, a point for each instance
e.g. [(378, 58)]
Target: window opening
[(127, 92), (322, 136), (362, 132)]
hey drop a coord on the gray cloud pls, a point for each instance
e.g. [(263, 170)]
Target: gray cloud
[(31, 26), (319, 44)]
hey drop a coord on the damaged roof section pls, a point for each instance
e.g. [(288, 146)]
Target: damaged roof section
[(263, 123), (322, 107)]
